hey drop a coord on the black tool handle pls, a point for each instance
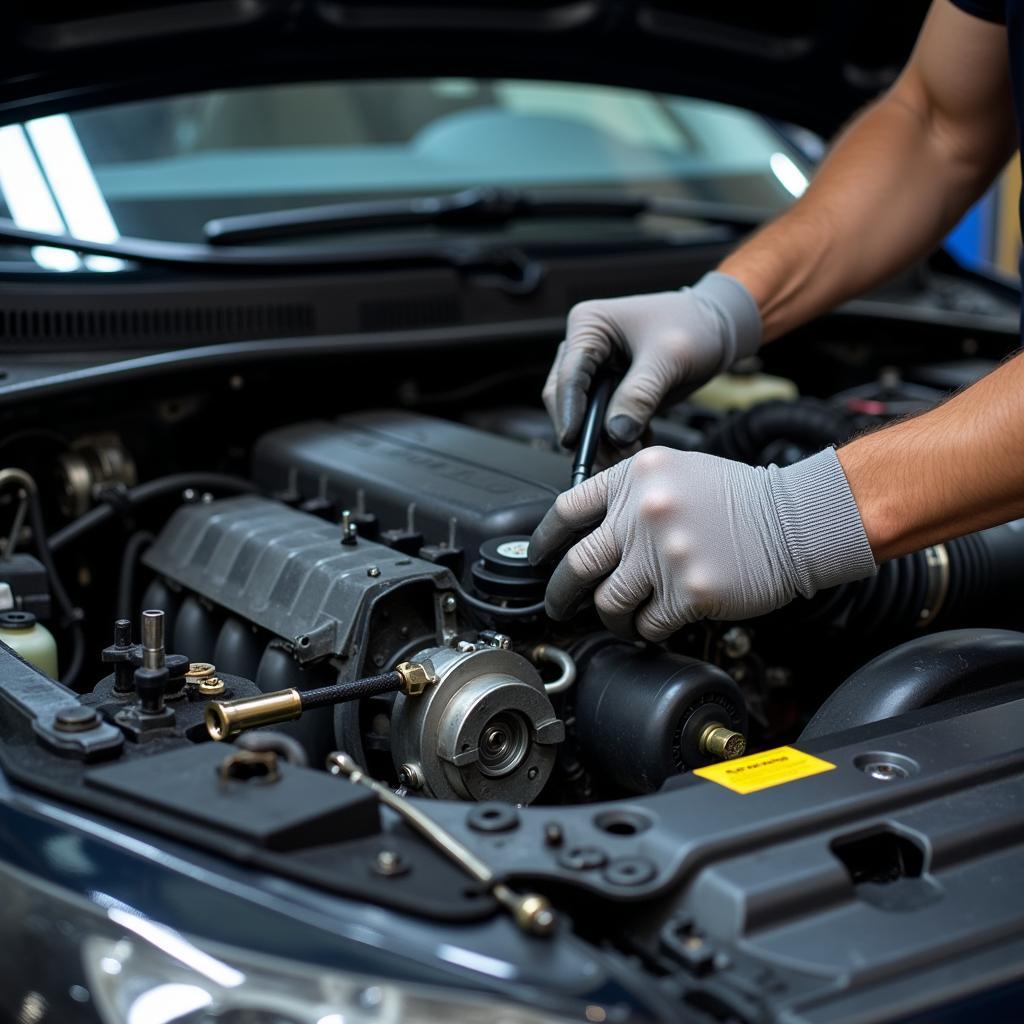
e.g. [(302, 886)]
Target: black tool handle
[(593, 423)]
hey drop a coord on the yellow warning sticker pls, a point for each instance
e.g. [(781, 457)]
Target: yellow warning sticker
[(762, 771)]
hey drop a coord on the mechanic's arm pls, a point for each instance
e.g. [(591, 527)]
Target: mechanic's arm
[(896, 182), (953, 470)]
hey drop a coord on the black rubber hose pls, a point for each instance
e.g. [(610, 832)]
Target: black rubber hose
[(923, 671), (142, 493), (137, 543), (337, 693), (756, 435)]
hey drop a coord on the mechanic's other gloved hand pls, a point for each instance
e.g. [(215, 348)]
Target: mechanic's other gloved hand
[(680, 536), (674, 341)]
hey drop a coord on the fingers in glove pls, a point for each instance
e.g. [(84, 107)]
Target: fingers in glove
[(664, 615), (617, 600), (636, 400), (587, 346), (574, 513), (584, 565)]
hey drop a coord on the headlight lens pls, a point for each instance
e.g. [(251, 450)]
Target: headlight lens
[(151, 974), (135, 970)]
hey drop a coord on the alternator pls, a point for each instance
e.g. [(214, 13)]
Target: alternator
[(485, 730)]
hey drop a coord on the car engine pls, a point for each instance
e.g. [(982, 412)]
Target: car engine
[(366, 549)]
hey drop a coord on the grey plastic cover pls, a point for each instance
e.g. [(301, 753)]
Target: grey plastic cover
[(286, 571)]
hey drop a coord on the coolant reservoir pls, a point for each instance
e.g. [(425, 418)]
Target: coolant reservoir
[(733, 391), (34, 642)]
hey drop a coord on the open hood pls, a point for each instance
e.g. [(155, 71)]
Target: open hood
[(807, 61)]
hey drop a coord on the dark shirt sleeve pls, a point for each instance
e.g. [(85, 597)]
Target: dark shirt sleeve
[(990, 10)]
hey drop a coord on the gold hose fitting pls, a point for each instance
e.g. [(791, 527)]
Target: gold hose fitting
[(227, 718), (415, 678), (719, 741)]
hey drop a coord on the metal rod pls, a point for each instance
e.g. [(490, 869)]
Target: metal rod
[(153, 639), (531, 911), (227, 718)]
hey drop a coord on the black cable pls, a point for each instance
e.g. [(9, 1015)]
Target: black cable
[(147, 492), (137, 543), (493, 609), (337, 693)]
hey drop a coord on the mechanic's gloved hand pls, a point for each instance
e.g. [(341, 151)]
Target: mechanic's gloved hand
[(674, 341), (680, 536)]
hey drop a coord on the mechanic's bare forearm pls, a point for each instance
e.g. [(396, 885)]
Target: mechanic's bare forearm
[(950, 471), (895, 183)]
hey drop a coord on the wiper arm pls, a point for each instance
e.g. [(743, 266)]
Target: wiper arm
[(506, 267), (471, 207)]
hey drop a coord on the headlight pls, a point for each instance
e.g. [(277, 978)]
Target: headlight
[(135, 970), (157, 976)]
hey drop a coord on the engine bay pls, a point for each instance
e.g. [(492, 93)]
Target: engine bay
[(350, 595), (356, 543)]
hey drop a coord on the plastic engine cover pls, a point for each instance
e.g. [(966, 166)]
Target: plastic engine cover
[(489, 485), (288, 572)]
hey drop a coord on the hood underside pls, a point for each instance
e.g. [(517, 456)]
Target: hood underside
[(812, 63)]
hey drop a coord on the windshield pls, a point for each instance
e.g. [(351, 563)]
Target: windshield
[(163, 168)]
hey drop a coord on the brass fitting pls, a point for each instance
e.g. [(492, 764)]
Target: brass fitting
[(415, 678), (720, 741), (227, 718), (198, 671)]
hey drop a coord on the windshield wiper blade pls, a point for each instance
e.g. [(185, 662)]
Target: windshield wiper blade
[(505, 266), (471, 207)]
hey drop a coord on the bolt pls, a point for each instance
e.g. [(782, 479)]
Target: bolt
[(532, 772), (349, 531), (211, 686), (736, 642), (410, 776), (553, 834), (449, 604), (189, 495), (722, 742), (389, 864), (373, 571), (76, 718), (123, 633), (885, 771)]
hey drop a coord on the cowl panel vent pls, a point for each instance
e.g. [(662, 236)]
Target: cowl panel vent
[(172, 325)]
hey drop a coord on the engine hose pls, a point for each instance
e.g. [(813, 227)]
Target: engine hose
[(922, 671), (761, 434), (970, 580), (137, 543), (226, 718), (563, 660), (148, 491)]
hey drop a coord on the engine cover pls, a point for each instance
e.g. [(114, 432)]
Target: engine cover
[(443, 481), (290, 574)]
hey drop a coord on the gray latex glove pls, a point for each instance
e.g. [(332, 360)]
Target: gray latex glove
[(673, 341), (672, 537)]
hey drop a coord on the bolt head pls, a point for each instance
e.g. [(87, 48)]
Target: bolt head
[(76, 718), (373, 571), (389, 863), (449, 604)]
